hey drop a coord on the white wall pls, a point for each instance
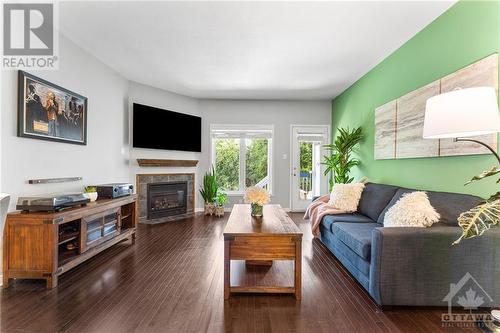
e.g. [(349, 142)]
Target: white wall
[(142, 94), (103, 159), (108, 156), (2, 110), (281, 114)]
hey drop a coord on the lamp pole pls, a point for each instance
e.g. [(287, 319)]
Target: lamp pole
[(481, 143)]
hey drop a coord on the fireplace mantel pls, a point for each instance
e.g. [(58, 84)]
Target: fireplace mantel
[(147, 162)]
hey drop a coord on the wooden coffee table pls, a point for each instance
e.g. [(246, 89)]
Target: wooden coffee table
[(272, 237)]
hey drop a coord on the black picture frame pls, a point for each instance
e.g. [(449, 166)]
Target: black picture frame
[(50, 112)]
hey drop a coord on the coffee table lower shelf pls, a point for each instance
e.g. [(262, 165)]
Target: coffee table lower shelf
[(264, 250)]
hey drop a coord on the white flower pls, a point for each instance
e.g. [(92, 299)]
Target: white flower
[(256, 195)]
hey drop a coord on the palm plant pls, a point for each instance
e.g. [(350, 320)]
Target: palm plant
[(340, 160), (210, 186)]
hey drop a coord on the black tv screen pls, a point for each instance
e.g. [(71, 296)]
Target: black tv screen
[(156, 128)]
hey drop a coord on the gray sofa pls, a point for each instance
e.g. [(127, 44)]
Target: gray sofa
[(408, 266)]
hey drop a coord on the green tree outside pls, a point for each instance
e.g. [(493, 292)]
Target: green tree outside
[(256, 161), (306, 156), (227, 163)]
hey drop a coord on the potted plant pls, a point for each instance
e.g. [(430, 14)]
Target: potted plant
[(91, 193), (220, 201), (209, 191), (340, 161), (257, 197)]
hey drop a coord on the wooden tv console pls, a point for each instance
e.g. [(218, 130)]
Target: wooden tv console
[(44, 245)]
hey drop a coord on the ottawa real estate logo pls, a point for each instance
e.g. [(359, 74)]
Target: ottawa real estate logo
[(470, 296), (29, 36)]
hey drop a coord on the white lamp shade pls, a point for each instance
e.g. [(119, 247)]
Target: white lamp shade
[(462, 113)]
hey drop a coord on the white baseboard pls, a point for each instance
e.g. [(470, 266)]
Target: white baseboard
[(229, 209), (201, 210)]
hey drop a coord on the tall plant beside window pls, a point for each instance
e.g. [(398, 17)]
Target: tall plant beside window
[(340, 160)]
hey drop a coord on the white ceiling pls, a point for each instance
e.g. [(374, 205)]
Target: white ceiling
[(245, 50)]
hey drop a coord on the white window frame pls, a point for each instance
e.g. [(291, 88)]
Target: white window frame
[(240, 128)]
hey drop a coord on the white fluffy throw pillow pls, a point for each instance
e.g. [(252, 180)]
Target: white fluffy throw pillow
[(346, 196), (412, 210)]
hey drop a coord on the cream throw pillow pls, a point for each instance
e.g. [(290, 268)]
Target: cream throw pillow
[(346, 196), (412, 210)]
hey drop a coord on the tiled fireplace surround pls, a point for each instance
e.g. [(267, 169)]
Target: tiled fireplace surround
[(142, 181)]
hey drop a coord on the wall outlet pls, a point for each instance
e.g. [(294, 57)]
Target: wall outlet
[(284, 156)]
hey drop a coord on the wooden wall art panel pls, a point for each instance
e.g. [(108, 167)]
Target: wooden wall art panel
[(399, 123), (410, 124), (385, 131)]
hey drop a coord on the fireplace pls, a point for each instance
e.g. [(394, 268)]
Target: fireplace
[(166, 199)]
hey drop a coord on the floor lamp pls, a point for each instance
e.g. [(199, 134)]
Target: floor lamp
[(463, 113)]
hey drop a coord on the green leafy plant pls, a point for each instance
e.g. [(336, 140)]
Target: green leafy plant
[(477, 220), (494, 197), (210, 187), (221, 199), (340, 161), (89, 189), (488, 173)]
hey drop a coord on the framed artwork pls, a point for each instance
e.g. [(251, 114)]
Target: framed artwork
[(399, 124), (49, 112)]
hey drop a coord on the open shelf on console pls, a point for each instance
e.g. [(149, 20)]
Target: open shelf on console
[(69, 240)]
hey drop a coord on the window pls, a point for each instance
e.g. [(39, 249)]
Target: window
[(241, 155)]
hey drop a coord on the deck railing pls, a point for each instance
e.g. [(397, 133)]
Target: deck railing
[(263, 183), (305, 181)]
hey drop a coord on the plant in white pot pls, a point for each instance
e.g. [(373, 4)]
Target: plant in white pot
[(91, 193)]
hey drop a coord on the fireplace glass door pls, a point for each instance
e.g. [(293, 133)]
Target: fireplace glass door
[(167, 199)]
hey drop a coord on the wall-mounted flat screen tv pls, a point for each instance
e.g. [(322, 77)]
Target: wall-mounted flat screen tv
[(156, 128)]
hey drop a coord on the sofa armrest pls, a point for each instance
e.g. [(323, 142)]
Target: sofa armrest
[(415, 266)]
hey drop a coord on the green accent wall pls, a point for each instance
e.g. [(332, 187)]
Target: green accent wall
[(467, 32)]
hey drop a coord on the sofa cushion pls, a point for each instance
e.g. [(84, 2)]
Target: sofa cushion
[(340, 249), (448, 205), (346, 196), (375, 198), (329, 220), (412, 210), (357, 236)]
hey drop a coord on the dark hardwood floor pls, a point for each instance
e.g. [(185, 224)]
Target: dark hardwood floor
[(171, 280)]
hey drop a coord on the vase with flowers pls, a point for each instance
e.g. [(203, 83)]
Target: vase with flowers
[(257, 197)]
